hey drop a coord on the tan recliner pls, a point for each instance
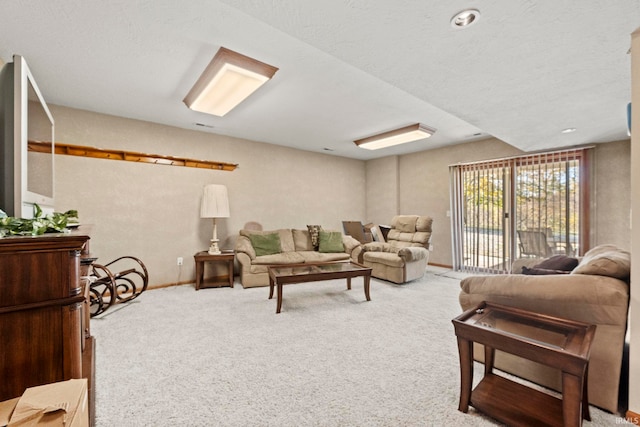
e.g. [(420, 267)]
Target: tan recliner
[(405, 254)]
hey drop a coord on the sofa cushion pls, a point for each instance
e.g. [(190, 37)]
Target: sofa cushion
[(314, 256), (265, 244), (314, 233), (330, 241), (281, 258), (558, 262), (605, 260), (390, 259)]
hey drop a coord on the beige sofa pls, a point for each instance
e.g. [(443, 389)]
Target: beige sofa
[(295, 247), (405, 254), (595, 292)]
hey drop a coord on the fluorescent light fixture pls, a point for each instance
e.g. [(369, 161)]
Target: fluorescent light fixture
[(395, 137), (227, 81)]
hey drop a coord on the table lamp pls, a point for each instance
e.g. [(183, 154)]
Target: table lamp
[(215, 204)]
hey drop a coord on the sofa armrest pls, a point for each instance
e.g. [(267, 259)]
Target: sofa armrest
[(243, 245), (413, 253), (350, 243), (587, 298)]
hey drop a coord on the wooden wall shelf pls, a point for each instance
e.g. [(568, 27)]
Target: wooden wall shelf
[(129, 156)]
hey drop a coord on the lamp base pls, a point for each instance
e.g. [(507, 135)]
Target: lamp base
[(214, 249)]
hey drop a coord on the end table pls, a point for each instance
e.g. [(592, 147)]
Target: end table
[(226, 257)]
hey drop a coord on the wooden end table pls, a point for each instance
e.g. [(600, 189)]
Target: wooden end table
[(226, 258), (552, 341)]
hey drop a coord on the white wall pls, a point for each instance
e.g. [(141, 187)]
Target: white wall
[(152, 211)]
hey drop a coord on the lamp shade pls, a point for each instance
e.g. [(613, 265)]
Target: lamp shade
[(215, 202)]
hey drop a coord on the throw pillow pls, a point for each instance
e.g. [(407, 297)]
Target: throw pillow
[(330, 241), (314, 233), (606, 260), (558, 262), (535, 271), (265, 244)]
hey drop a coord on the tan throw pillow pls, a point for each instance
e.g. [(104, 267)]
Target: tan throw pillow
[(605, 260)]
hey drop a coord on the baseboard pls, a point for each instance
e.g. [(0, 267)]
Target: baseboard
[(168, 285), (633, 418), (440, 265)]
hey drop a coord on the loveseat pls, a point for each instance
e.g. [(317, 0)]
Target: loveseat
[(405, 254), (595, 292), (256, 250)]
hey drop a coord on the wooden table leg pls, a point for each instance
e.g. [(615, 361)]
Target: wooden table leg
[(270, 287), (199, 273), (279, 298), (571, 400), (465, 350), (585, 395), (348, 283), (489, 357), (367, 281), (231, 273)]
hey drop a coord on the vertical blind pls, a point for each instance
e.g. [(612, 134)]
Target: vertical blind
[(529, 206)]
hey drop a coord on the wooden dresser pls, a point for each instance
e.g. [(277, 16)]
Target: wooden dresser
[(44, 329)]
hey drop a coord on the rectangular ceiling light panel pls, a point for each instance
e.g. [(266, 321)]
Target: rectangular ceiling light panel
[(395, 137), (227, 81)]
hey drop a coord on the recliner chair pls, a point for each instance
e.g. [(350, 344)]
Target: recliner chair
[(405, 254)]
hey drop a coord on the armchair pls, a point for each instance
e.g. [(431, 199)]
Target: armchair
[(405, 254)]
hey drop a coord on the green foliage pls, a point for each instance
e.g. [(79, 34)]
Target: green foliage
[(39, 224)]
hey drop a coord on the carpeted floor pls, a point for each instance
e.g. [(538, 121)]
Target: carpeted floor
[(222, 357)]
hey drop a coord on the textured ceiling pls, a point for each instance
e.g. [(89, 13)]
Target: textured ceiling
[(348, 69)]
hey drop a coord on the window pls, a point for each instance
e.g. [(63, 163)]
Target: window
[(529, 206)]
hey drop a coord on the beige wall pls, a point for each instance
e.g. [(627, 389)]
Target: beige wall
[(152, 211), (423, 189)]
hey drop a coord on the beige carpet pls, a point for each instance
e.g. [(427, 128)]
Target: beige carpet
[(222, 357)]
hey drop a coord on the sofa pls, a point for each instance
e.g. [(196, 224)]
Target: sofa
[(405, 254), (596, 291), (257, 250)]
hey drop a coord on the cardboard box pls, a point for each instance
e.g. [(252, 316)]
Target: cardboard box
[(58, 404)]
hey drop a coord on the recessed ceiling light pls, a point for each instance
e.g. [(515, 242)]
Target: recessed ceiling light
[(465, 18), (568, 130)]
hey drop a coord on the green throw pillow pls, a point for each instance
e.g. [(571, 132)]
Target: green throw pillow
[(330, 241), (265, 244)]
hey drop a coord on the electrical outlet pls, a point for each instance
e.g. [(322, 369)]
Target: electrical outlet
[(180, 260)]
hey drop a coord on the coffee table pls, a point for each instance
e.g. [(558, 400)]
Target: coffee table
[(280, 275), (560, 343)]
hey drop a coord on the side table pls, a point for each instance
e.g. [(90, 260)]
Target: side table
[(552, 341), (225, 258)]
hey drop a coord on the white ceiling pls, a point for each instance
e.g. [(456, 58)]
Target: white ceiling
[(348, 69)]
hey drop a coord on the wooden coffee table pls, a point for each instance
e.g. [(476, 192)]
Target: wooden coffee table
[(280, 275), (552, 341)]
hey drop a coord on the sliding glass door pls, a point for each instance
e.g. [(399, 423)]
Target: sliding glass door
[(529, 206)]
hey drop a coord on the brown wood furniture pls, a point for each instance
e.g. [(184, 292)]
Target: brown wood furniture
[(301, 273), (43, 321), (226, 258), (552, 341)]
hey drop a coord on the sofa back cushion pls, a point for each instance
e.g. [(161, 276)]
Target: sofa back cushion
[(606, 260), (302, 240), (410, 230), (286, 238)]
